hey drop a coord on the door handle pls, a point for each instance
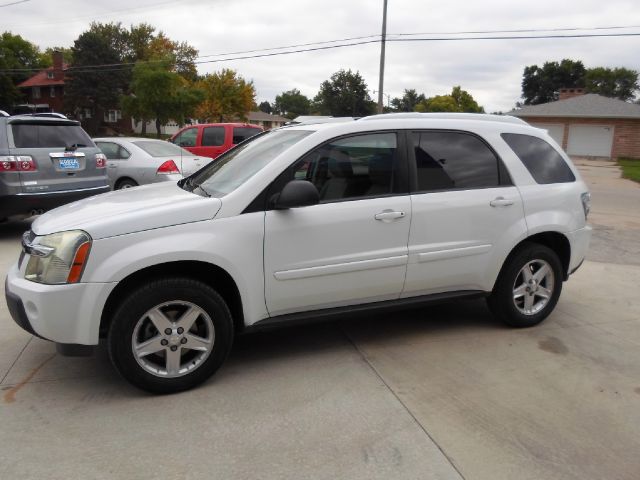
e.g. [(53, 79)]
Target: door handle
[(501, 202), (388, 215)]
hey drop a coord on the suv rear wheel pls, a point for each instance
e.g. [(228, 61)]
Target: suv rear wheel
[(170, 335), (528, 287)]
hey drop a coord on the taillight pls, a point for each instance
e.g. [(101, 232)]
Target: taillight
[(22, 163), (101, 160), (167, 167)]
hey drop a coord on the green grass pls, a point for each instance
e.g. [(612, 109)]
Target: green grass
[(630, 168)]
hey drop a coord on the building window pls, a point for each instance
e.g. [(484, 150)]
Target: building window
[(36, 92), (112, 116), (52, 92), (87, 113), (50, 75)]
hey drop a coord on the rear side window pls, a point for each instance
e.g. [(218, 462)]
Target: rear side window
[(212, 136), (30, 135), (542, 160), (453, 160), (240, 134)]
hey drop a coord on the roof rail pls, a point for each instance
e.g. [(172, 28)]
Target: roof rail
[(446, 116), (3, 114)]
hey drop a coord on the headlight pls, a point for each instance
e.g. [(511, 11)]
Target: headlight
[(57, 258)]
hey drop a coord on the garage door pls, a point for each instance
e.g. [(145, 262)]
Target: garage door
[(556, 131), (590, 140)]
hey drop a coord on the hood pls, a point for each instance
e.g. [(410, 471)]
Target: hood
[(130, 210)]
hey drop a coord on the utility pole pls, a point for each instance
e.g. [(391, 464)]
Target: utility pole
[(383, 42)]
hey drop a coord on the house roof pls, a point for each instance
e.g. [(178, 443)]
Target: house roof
[(40, 79), (590, 105), (265, 117)]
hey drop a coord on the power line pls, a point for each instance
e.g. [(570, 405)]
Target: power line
[(120, 66), (14, 3)]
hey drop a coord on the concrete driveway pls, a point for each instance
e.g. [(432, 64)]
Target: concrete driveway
[(443, 392)]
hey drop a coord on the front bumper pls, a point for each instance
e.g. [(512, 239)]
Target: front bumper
[(579, 241), (65, 314), (25, 203)]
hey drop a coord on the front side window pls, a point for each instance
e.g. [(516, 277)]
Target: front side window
[(187, 138), (352, 167), (240, 134), (544, 163), (453, 160), (212, 136)]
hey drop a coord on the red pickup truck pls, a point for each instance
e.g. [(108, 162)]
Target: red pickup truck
[(213, 139)]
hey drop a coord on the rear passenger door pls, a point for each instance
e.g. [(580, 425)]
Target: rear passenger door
[(116, 155), (212, 142), (352, 247), (466, 213)]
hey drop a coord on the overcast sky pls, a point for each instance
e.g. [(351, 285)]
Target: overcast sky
[(491, 70)]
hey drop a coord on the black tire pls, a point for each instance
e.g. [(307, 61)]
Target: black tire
[(502, 302), (125, 183), (132, 311)]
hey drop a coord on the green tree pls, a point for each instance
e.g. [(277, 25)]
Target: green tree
[(265, 107), (457, 101), (619, 83), (24, 58), (344, 94), (227, 96), (160, 93), (408, 102), (92, 87), (292, 104), (543, 84)]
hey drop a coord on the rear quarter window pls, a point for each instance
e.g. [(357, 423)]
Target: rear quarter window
[(544, 163)]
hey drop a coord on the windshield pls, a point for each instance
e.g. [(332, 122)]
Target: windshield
[(157, 148), (244, 161)]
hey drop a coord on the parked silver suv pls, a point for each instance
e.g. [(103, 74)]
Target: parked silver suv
[(46, 162)]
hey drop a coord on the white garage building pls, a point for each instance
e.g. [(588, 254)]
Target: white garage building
[(588, 125)]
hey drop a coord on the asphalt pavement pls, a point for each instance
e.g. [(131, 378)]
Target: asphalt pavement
[(443, 392)]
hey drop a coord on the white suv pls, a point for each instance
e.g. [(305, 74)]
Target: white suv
[(306, 222)]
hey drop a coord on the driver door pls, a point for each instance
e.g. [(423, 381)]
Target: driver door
[(350, 248)]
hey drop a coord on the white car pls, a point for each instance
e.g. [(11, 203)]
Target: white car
[(133, 161), (306, 222)]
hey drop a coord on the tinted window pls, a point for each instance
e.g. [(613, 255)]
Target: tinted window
[(542, 160), (353, 167), (187, 138), (453, 160), (111, 150), (157, 148), (240, 134), (29, 135), (212, 136)]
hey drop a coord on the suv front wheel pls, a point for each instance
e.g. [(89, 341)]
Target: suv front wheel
[(528, 287), (170, 335)]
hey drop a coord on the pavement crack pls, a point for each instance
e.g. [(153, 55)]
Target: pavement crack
[(404, 406), (16, 360), (10, 396)]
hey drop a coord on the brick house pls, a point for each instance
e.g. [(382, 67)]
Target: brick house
[(44, 92), (588, 125)]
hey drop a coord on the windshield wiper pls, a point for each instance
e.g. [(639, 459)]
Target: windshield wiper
[(191, 186)]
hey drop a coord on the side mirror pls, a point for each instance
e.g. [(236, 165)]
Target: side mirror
[(296, 193)]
